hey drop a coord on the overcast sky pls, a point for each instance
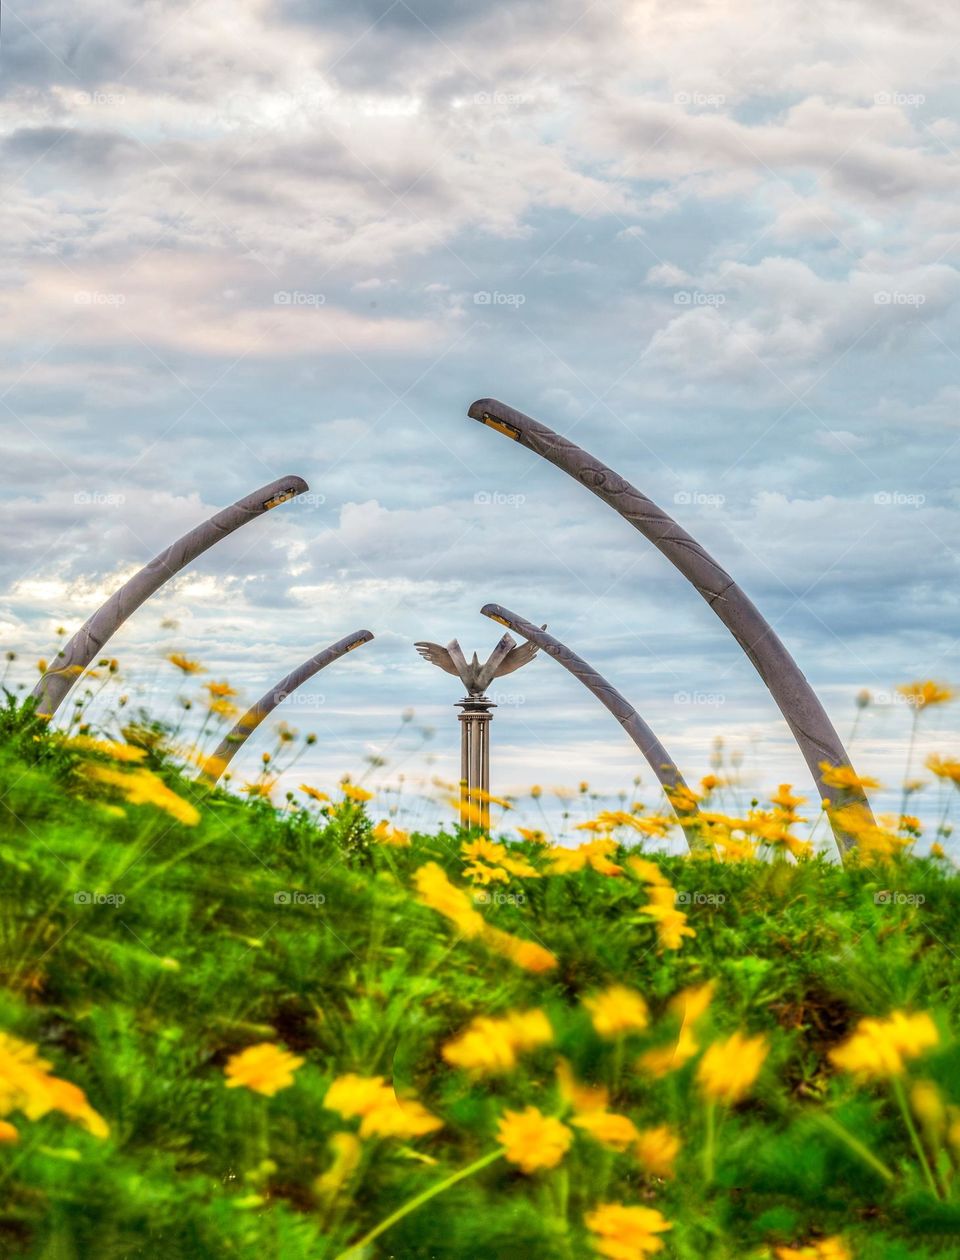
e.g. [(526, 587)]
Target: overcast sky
[(716, 244)]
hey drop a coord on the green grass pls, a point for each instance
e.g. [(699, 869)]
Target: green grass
[(141, 1004)]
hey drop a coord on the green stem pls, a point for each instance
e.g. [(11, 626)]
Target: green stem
[(914, 1135), (411, 1205), (837, 1129), (710, 1142)]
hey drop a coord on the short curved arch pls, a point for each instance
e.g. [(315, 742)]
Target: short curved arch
[(73, 659), (231, 744), (659, 760), (798, 702)]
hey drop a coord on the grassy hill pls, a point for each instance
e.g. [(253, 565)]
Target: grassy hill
[(225, 981)]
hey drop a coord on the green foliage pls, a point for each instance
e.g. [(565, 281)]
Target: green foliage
[(138, 954)]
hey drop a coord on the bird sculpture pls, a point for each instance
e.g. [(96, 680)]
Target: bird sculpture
[(504, 659)]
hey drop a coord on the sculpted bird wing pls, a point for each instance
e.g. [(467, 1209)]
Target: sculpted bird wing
[(438, 655), (487, 672), (519, 656)]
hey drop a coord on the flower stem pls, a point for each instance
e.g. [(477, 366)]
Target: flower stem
[(836, 1128), (418, 1200), (710, 1142), (914, 1135)]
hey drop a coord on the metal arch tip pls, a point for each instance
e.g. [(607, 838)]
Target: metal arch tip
[(363, 636), (485, 410), (287, 489)]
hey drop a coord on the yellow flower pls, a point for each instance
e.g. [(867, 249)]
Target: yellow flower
[(648, 872), (264, 1068), (109, 748), (532, 834), (492, 1045), (536, 792), (822, 1249), (354, 793), (385, 833), (626, 1233), (184, 664), (262, 788), (878, 1047), (657, 1150), (346, 1151), (482, 850), (8, 1132), (382, 1113), (314, 793), (927, 1105), (583, 1098), (223, 708), (729, 1068), (143, 787), (845, 778), (526, 954), (945, 768), (671, 925), (785, 799), (220, 690), (617, 1132), (617, 1010), (435, 890), (27, 1086), (922, 694), (481, 874), (532, 1140)]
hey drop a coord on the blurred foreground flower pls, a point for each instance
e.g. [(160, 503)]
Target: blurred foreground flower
[(264, 1068), (879, 1047), (27, 1086), (532, 1140), (626, 1233), (729, 1068)]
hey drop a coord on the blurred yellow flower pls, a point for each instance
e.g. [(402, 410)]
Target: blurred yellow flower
[(878, 1047), (382, 1113), (533, 835), (617, 1132), (109, 748), (8, 1132), (264, 1068), (626, 1233), (526, 954), (223, 708), (184, 664), (314, 793), (220, 690), (657, 1150), (845, 778), (435, 890), (583, 1098), (532, 1140), (671, 925), (492, 1045), (354, 793), (945, 768), (729, 1068), (27, 1086), (385, 833), (617, 1010), (143, 787), (923, 694), (821, 1249)]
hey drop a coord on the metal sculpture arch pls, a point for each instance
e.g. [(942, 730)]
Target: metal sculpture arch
[(805, 715), (659, 760), (231, 744), (73, 659)]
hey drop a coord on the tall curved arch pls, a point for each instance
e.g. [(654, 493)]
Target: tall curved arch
[(75, 656), (231, 744), (659, 760), (796, 699)]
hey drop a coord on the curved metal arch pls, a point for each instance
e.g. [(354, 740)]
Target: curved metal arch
[(796, 699), (659, 760), (231, 744), (88, 641)]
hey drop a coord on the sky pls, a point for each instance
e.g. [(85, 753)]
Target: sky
[(713, 243)]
